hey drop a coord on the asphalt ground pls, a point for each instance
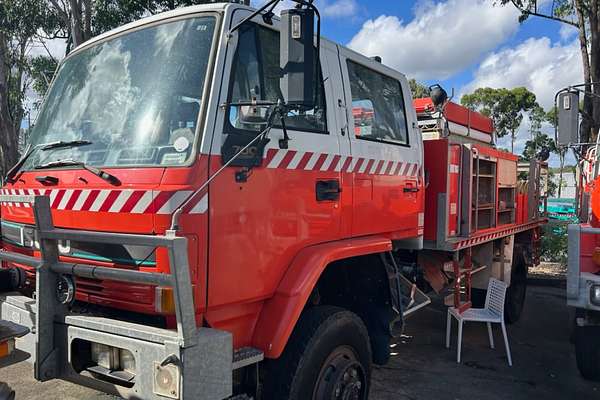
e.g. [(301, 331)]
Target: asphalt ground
[(421, 367)]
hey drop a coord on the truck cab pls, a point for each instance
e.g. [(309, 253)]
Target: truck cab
[(143, 126)]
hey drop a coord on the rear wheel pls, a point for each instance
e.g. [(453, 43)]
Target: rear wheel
[(587, 351), (517, 291), (328, 357)]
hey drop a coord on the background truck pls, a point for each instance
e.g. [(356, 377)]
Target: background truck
[(213, 206), (583, 269)]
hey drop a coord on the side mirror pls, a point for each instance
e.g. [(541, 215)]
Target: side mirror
[(568, 118), (298, 57)]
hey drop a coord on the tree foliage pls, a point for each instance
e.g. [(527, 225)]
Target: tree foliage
[(20, 21), (506, 107), (418, 89)]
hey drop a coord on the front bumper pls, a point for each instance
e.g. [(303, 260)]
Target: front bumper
[(207, 364)]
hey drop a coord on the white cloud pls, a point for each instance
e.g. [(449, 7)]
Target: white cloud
[(540, 66), (567, 32), (56, 48), (443, 39), (338, 8), (537, 64)]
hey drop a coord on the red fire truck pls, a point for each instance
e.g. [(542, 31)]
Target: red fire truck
[(197, 219), (583, 269)]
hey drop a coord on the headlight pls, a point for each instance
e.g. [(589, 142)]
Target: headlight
[(113, 358), (595, 295), (65, 290), (105, 356)]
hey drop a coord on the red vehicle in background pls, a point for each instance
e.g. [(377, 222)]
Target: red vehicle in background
[(583, 269), (188, 234)]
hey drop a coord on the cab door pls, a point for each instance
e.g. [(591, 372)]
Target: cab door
[(261, 216), (386, 147)]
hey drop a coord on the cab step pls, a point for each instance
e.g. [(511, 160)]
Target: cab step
[(245, 356)]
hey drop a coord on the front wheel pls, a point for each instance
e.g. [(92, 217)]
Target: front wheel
[(328, 357), (587, 351)]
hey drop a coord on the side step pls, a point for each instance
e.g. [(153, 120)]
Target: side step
[(245, 356)]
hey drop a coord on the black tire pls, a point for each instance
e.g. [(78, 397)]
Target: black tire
[(587, 351), (5, 392), (478, 297), (517, 291), (329, 348)]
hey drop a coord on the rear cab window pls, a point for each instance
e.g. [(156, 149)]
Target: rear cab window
[(378, 106)]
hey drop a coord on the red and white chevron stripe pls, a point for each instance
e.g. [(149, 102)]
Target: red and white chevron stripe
[(112, 201), (495, 235), (309, 161)]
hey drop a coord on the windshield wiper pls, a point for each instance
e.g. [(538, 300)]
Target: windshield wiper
[(73, 163), (61, 144), (43, 146)]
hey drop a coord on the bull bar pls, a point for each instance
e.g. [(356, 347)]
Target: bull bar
[(189, 362)]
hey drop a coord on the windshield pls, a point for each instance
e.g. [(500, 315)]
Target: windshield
[(136, 98)]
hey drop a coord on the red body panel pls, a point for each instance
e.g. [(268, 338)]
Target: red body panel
[(297, 284), (436, 167), (454, 167)]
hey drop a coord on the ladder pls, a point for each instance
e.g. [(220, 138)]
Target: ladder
[(460, 296)]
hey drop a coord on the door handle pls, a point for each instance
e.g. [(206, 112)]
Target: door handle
[(410, 189), (328, 190)]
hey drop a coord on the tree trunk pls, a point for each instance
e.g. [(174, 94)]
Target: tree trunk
[(595, 68), (586, 121), (8, 134), (77, 25), (561, 157), (512, 142)]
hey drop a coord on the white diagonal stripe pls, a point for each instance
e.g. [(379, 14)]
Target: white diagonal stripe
[(201, 207), (53, 194), (393, 168), (15, 192), (99, 200), (352, 164), (144, 201), (374, 167), (296, 160), (327, 162), (65, 199), (277, 159), (85, 193), (174, 202), (364, 165), (312, 162), (120, 201), (340, 163)]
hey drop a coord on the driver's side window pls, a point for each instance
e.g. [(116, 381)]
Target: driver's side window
[(256, 75)]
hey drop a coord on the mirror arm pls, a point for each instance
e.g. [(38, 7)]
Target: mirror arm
[(281, 111)]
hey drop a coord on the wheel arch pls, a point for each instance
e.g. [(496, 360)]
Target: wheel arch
[(281, 312)]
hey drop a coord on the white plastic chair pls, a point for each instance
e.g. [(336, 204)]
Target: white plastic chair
[(493, 313)]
